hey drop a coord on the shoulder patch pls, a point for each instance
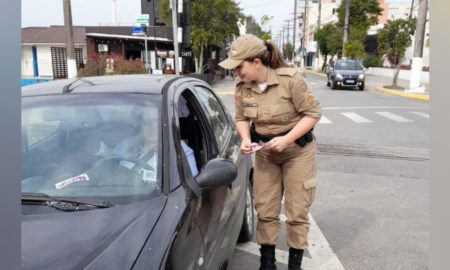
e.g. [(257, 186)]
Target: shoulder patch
[(286, 71)]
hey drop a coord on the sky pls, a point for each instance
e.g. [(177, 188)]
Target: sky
[(96, 12)]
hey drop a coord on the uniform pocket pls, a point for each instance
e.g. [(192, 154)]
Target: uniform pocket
[(250, 112), (278, 109), (310, 183)]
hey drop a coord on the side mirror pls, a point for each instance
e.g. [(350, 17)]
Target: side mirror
[(217, 172)]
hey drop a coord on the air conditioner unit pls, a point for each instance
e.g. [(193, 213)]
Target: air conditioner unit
[(102, 47)]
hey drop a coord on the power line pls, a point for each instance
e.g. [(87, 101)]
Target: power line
[(263, 4)]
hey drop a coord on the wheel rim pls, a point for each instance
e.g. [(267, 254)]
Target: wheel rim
[(249, 209)]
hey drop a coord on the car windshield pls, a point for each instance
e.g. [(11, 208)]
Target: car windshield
[(92, 146), (348, 65)]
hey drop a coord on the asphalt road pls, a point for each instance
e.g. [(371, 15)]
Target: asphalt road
[(371, 206)]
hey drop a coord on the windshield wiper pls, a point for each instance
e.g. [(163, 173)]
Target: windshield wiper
[(64, 203)]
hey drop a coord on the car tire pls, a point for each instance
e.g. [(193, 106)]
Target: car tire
[(328, 82), (248, 228), (361, 87)]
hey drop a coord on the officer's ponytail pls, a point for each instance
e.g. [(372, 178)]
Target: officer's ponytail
[(272, 57)]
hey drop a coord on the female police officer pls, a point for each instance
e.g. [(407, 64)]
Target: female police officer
[(277, 100)]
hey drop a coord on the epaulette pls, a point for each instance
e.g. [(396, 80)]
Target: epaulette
[(286, 71)]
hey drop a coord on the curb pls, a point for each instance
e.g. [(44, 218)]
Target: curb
[(403, 94), (315, 72)]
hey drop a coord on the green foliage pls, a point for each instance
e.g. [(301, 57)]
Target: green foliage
[(288, 49), (373, 61), (266, 36), (363, 14), (329, 39), (394, 38), (164, 9), (252, 27), (354, 49)]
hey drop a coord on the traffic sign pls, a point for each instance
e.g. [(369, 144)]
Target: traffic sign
[(144, 19), (137, 31)]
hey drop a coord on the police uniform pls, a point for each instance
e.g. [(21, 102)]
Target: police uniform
[(275, 111)]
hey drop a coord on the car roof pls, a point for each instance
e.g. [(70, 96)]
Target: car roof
[(136, 83)]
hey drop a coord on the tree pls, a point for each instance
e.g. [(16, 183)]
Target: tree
[(393, 40), (363, 14), (328, 38), (252, 27), (287, 51), (212, 21)]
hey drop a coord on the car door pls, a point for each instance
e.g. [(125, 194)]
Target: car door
[(221, 233)]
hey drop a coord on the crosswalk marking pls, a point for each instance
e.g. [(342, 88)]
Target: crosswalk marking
[(421, 114), (356, 117), (324, 120), (394, 117)]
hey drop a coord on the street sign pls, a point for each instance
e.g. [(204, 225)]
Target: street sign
[(137, 31), (144, 19)]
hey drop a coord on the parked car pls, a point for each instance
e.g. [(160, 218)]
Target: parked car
[(107, 184), (346, 73)]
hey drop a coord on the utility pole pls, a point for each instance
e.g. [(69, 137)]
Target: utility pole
[(173, 6), (114, 13), (154, 37), (70, 46), (293, 35), (288, 26), (305, 21), (347, 14), (317, 43), (282, 40), (411, 10), (416, 66)]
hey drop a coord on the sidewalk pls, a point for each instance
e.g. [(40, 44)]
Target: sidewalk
[(381, 81)]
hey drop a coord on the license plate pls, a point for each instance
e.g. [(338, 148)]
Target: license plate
[(350, 81)]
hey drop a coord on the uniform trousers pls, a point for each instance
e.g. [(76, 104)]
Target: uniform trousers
[(291, 172)]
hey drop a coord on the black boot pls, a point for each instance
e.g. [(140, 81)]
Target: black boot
[(267, 257), (295, 259)]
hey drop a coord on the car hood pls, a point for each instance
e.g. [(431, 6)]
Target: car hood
[(96, 239), (348, 72)]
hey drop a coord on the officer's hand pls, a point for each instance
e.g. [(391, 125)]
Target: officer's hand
[(277, 144), (246, 147)]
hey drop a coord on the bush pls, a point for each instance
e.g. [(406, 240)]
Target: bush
[(101, 65), (373, 61)]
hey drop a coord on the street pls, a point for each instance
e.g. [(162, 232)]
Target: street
[(371, 205)]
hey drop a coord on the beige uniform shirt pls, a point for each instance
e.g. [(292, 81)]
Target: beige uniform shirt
[(278, 109)]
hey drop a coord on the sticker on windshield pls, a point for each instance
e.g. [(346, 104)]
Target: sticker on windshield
[(148, 175), (79, 178)]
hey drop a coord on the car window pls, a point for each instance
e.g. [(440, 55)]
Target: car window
[(216, 115), (39, 128), (92, 145), (348, 65)]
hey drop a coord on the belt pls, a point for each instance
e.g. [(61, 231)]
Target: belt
[(302, 141)]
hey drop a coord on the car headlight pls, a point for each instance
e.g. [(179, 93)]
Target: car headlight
[(339, 77), (361, 77)]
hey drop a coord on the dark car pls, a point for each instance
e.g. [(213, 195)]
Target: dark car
[(346, 73), (107, 181)]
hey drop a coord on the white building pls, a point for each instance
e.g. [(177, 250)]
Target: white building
[(44, 51)]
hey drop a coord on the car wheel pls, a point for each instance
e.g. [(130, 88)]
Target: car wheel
[(328, 82), (361, 87), (333, 85), (247, 228)]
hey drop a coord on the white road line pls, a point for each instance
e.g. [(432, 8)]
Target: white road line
[(356, 117), (322, 256), (324, 120), (368, 107), (426, 115), (394, 117)]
